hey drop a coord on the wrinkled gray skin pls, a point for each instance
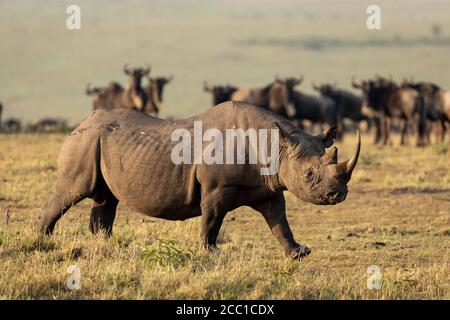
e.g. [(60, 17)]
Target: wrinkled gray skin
[(123, 155)]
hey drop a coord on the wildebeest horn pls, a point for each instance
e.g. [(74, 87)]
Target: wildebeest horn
[(300, 80), (206, 87), (125, 69), (355, 84), (88, 89), (146, 71), (315, 87), (345, 169)]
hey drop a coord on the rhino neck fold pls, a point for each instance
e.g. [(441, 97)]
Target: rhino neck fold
[(275, 182)]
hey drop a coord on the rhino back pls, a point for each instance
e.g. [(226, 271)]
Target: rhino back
[(135, 157)]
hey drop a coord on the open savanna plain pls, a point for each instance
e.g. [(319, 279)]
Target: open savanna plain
[(396, 216), (46, 67)]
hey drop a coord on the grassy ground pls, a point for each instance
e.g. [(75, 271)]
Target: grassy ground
[(397, 216)]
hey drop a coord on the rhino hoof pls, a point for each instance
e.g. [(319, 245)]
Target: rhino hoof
[(299, 252)]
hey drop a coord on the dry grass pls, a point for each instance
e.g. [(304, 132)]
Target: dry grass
[(397, 216)]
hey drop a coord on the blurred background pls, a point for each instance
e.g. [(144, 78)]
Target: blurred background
[(45, 67)]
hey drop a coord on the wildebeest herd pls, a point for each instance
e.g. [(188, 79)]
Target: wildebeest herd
[(419, 107), (383, 105)]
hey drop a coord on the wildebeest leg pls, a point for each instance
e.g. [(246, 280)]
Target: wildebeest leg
[(404, 131), (103, 211), (54, 209), (431, 126), (274, 211), (439, 130), (443, 130), (422, 129), (378, 129), (386, 124), (368, 121), (340, 128)]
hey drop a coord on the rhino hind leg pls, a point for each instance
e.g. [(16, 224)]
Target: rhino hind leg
[(103, 211), (77, 179), (54, 209)]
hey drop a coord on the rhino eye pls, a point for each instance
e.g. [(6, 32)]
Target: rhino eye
[(308, 175)]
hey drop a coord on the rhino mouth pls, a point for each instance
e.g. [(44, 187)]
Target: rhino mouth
[(336, 196), (331, 197)]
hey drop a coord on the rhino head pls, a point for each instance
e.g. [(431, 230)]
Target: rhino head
[(313, 173)]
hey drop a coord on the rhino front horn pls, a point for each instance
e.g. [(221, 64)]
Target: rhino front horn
[(345, 169)]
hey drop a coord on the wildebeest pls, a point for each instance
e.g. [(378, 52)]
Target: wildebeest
[(254, 96), (12, 125), (115, 96), (261, 96), (161, 83), (374, 97), (348, 104), (315, 109), (122, 155), (1, 113), (275, 96), (154, 93), (47, 125), (436, 106), (280, 97), (220, 93), (109, 97), (134, 96), (391, 101), (442, 103)]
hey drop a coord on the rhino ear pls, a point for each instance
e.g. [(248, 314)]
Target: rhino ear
[(286, 137), (328, 137)]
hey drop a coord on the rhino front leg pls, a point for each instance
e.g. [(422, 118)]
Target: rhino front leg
[(274, 212), (211, 223)]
